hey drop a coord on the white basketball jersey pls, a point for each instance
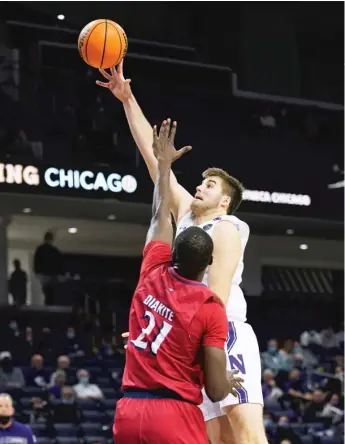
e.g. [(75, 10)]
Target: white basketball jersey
[(236, 308)]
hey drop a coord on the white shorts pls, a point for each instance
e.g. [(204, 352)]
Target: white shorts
[(243, 354)]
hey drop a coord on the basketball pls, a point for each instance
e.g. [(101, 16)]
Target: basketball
[(102, 43)]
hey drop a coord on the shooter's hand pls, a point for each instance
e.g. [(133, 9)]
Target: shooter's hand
[(117, 84)]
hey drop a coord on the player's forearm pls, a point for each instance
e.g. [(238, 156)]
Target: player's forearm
[(142, 134)]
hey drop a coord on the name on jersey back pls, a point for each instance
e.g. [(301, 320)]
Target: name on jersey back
[(159, 308)]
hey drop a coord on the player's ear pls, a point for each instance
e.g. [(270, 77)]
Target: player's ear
[(226, 200), (211, 261)]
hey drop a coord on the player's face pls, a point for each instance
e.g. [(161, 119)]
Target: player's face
[(210, 196)]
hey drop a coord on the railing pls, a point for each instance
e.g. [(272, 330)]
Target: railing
[(233, 78)]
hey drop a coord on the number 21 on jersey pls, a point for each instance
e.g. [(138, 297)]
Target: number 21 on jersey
[(159, 338)]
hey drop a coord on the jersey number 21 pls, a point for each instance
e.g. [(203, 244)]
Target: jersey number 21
[(159, 338)]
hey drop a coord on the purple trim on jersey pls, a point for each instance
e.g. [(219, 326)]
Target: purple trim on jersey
[(232, 337), (176, 276)]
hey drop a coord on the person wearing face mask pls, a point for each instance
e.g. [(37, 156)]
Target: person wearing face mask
[(84, 390), (10, 376), (272, 359), (10, 430), (285, 433)]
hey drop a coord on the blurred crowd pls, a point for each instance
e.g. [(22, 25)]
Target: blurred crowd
[(303, 387), (66, 382)]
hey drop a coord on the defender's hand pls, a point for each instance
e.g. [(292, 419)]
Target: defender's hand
[(234, 382), (117, 84), (166, 126)]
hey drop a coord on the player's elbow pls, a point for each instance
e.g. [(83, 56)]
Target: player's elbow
[(215, 392)]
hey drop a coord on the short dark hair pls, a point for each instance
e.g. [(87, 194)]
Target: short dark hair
[(192, 252), (231, 187), (49, 236)]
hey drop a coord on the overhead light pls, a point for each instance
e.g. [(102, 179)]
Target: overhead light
[(303, 247), (111, 217), (290, 231), (27, 210), (61, 17), (72, 230)]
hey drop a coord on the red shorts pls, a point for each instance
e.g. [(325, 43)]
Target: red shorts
[(158, 421)]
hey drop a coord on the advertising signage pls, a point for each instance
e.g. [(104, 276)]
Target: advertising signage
[(135, 186)]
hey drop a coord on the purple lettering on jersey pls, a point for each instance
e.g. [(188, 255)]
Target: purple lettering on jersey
[(237, 363), (217, 218)]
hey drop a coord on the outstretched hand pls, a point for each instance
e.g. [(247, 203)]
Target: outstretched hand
[(117, 84), (175, 154)]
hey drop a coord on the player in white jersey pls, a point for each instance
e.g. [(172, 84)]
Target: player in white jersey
[(233, 421)]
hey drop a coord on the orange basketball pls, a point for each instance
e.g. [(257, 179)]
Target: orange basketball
[(102, 43)]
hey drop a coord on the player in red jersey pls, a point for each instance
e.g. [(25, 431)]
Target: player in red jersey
[(177, 330)]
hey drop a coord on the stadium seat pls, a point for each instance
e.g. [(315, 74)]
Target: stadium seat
[(313, 427), (110, 403), (330, 440), (39, 429), (32, 391), (298, 428), (92, 415), (26, 402), (67, 440), (307, 439), (109, 393), (103, 382), (65, 430), (43, 440), (91, 428), (93, 439), (88, 405)]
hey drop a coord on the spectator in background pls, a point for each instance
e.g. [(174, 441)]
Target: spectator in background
[(288, 355), (40, 411), (67, 410), (272, 359), (329, 340), (270, 391), (86, 391), (17, 284), (10, 376), (333, 409), (340, 336), (12, 431), (285, 433), (58, 384), (37, 375), (73, 344), (63, 364), (315, 407), (48, 265)]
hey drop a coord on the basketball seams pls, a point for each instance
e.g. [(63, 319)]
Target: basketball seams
[(87, 41), (105, 41), (120, 40)]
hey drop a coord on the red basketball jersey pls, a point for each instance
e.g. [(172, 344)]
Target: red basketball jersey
[(163, 349)]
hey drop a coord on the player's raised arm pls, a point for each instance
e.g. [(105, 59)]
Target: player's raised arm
[(142, 133), (161, 227), (226, 256)]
